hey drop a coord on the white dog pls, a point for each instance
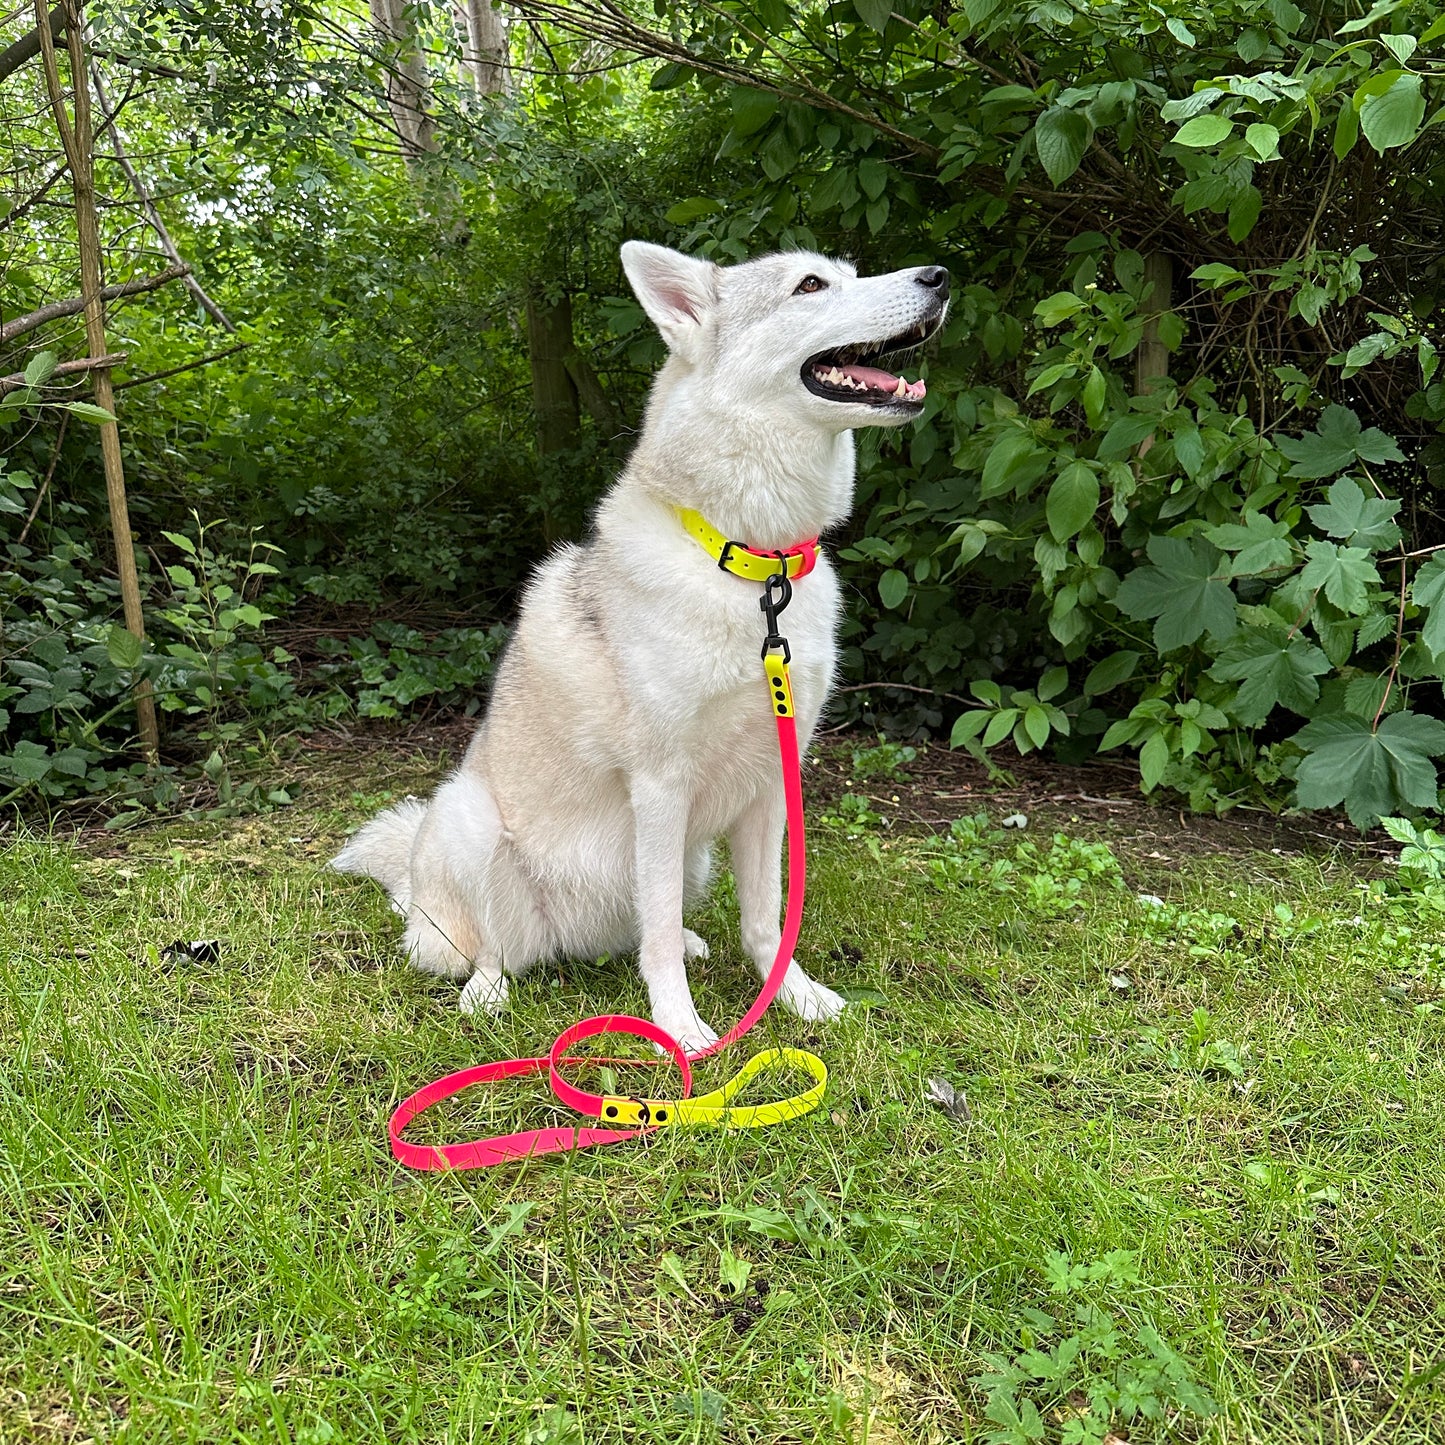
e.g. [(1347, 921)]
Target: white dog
[(629, 724)]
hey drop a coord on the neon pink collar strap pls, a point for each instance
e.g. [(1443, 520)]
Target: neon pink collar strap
[(648, 1114)]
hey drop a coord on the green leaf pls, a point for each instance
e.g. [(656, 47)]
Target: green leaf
[(1061, 137), (1014, 461), (1052, 683), (1262, 139), (1347, 130), (1336, 444), (1036, 725), (39, 368), (668, 77), (123, 648), (752, 109), (1274, 667), (873, 177), (691, 209), (1106, 675), (1000, 725), (1260, 544), (1393, 118), (1372, 773), (1203, 130), (1428, 590), (1153, 759), (1357, 519), (1345, 574), (88, 411), (29, 762), (1096, 390), (1056, 309), (733, 1272), (874, 13), (179, 539), (968, 726), (1181, 590), (1179, 30), (893, 587), (1124, 435), (1073, 500), (1244, 211)]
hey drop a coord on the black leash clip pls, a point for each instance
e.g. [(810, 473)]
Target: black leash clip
[(777, 593)]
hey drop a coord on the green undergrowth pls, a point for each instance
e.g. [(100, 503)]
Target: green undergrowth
[(1190, 1190)]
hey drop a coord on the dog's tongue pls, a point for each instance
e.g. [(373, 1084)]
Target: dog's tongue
[(878, 380)]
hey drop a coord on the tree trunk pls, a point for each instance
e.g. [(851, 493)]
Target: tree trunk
[(406, 80), (78, 143), (1152, 358), (484, 45), (554, 395)]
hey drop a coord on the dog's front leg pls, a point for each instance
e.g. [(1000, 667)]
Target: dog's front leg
[(756, 842), (659, 812)]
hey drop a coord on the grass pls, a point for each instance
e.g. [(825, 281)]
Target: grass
[(203, 1236)]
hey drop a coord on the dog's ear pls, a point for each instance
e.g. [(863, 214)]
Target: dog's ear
[(676, 291)]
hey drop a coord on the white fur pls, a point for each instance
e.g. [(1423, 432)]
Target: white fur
[(629, 725)]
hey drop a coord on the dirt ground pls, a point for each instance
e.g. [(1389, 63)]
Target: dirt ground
[(937, 786)]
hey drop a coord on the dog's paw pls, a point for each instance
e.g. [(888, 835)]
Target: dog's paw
[(810, 1001), (484, 993), (689, 1030), (693, 946)]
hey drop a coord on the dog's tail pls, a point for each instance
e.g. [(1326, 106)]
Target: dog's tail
[(382, 849)]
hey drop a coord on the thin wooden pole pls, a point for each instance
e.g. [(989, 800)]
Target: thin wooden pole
[(78, 143), (1152, 359)]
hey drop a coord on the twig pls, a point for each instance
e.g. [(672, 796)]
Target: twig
[(49, 473), (74, 305), (153, 214), (34, 199), (16, 379), (188, 366)]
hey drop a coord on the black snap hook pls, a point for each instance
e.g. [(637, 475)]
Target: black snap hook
[(777, 593)]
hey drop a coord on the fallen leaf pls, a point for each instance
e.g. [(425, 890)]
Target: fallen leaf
[(942, 1094)]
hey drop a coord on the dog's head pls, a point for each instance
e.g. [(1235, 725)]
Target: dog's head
[(794, 333)]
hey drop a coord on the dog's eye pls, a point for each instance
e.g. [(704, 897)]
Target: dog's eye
[(809, 284)]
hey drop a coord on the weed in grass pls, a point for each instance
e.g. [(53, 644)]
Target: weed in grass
[(886, 760), (1099, 1367)]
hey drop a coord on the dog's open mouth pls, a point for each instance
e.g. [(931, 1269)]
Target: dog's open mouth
[(849, 373)]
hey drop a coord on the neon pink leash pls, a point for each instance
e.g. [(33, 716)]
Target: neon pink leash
[(482, 1153)]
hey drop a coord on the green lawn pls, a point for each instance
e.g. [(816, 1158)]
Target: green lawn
[(1203, 1164)]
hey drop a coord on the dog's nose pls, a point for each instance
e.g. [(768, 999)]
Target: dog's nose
[(935, 278)]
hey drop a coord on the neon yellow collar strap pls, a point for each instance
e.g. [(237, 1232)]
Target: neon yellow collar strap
[(742, 560)]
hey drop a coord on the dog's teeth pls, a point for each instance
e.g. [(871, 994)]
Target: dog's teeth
[(901, 389)]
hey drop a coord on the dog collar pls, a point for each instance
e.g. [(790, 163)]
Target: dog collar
[(743, 561)]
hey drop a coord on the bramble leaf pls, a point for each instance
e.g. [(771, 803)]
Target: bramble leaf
[(1343, 572), (1428, 590), (1258, 542), (1357, 519), (1181, 590), (1273, 667), (1371, 772), (1337, 443)]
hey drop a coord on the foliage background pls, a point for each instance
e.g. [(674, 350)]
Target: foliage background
[(1174, 491)]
